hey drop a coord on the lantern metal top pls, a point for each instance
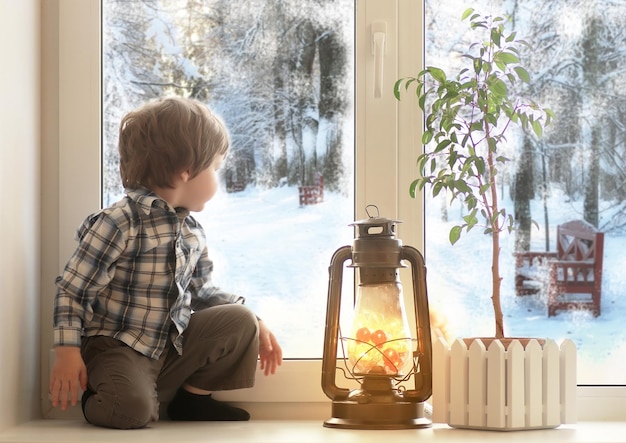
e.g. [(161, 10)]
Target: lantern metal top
[(375, 244)]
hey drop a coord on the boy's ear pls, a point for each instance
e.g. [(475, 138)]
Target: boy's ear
[(185, 176)]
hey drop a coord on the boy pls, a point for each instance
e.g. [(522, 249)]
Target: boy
[(137, 320)]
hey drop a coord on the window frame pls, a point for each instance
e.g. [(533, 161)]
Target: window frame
[(387, 143)]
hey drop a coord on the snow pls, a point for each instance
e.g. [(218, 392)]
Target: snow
[(276, 253), (455, 290)]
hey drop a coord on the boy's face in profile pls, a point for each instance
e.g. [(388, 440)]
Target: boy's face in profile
[(200, 189)]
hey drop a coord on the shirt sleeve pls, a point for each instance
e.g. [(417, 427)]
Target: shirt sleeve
[(203, 293), (89, 270)]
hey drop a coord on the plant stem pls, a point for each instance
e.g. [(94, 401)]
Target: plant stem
[(495, 266), (494, 220)]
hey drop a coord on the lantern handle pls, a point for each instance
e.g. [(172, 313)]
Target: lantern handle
[(329, 361), (368, 212), (423, 383)]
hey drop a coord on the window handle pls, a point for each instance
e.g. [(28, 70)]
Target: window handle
[(379, 34)]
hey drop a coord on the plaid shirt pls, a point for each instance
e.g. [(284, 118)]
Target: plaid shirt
[(139, 267)]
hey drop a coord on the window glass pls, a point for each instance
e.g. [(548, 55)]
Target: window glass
[(576, 171), (280, 74)]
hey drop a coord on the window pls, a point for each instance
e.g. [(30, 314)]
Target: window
[(281, 78), (383, 171), (576, 172)]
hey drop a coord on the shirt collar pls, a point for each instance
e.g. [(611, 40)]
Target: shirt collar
[(148, 200)]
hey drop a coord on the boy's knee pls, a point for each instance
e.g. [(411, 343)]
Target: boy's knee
[(129, 410), (247, 321), (241, 318), (137, 410), (245, 313)]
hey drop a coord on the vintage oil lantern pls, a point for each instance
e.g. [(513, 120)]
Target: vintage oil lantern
[(381, 354)]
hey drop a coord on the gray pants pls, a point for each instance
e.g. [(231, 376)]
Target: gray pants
[(220, 351)]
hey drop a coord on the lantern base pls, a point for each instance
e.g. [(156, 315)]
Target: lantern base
[(400, 415)]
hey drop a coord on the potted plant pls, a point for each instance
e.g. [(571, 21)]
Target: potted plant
[(467, 118)]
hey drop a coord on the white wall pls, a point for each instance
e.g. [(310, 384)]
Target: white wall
[(19, 210)]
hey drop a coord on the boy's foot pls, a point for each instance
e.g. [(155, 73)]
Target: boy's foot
[(192, 407)]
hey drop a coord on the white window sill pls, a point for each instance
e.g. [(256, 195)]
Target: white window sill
[(301, 431), (601, 416)]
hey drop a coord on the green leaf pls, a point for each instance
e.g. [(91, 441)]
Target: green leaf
[(437, 74), (418, 89), (453, 155), (478, 64), (455, 234), (421, 162), (396, 89), (442, 145), (467, 13), (522, 74), (427, 136), (524, 119), (471, 202), (462, 186), (412, 188), (480, 165), (505, 57), (492, 118), (451, 94), (437, 187), (422, 102), (430, 120), (495, 36), (471, 220), (498, 87), (537, 128), (511, 37)]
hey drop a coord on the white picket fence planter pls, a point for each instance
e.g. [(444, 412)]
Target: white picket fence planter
[(504, 389)]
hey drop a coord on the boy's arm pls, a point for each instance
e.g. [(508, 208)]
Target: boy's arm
[(88, 271)]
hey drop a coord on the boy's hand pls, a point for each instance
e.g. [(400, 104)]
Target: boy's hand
[(68, 374), (270, 352)]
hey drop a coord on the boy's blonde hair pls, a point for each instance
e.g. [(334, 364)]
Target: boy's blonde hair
[(168, 136)]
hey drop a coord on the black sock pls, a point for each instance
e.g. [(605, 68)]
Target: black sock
[(83, 401), (192, 407)]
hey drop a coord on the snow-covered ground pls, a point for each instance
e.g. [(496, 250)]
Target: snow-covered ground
[(276, 253), (455, 290)]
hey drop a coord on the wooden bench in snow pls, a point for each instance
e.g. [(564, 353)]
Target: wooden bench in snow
[(313, 194), (573, 273)]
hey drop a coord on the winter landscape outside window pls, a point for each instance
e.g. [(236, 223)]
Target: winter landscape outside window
[(270, 249), (280, 73), (576, 171)]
